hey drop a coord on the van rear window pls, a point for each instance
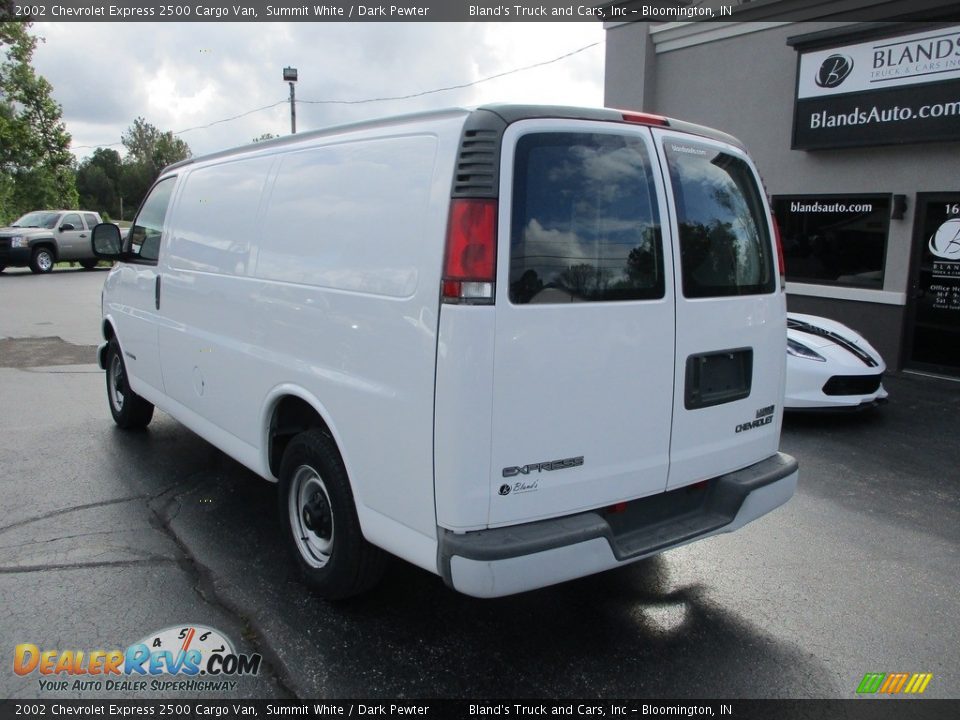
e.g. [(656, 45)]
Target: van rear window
[(724, 237), (585, 225)]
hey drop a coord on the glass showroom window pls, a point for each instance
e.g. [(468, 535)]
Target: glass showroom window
[(834, 239)]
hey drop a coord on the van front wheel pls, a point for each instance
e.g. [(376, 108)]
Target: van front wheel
[(129, 410), (320, 520)]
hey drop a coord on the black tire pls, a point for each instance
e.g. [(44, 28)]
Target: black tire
[(42, 260), (129, 410), (89, 264), (319, 520), (2, 268)]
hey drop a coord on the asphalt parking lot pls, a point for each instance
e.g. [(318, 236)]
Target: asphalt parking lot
[(107, 537)]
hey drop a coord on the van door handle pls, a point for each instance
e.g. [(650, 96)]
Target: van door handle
[(156, 293)]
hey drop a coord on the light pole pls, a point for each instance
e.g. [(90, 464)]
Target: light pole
[(290, 75)]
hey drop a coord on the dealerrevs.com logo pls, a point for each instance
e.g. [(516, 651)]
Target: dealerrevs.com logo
[(185, 658)]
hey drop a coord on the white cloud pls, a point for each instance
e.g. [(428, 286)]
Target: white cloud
[(183, 75)]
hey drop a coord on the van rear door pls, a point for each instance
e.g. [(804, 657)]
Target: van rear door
[(584, 351), (730, 312)]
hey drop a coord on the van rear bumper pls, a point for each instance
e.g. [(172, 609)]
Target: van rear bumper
[(503, 561)]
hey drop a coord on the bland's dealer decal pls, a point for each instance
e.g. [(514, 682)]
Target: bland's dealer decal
[(532, 484), (945, 242), (889, 90), (944, 286), (934, 309)]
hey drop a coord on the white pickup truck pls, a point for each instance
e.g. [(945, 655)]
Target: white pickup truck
[(42, 238)]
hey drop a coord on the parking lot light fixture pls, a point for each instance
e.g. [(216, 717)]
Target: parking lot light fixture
[(290, 76)]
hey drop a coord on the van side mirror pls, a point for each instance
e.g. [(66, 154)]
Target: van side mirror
[(66, 226), (106, 243)]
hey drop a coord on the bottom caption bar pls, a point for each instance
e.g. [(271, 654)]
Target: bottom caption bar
[(854, 709)]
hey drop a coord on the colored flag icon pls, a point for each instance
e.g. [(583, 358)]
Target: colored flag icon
[(894, 683)]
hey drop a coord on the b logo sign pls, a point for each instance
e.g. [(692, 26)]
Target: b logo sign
[(945, 242), (834, 70)]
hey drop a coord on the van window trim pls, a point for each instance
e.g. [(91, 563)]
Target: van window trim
[(661, 137), (128, 257), (511, 138)]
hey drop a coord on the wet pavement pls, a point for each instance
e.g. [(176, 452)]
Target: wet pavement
[(107, 536)]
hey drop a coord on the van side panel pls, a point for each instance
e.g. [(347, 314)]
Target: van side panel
[(465, 358), (206, 344), (350, 216), (333, 287), (350, 237)]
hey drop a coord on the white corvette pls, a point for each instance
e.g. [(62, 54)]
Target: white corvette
[(829, 366)]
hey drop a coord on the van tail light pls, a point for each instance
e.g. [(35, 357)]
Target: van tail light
[(780, 263), (470, 263)]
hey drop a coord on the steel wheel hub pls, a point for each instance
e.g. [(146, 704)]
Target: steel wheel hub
[(116, 383), (311, 517), (316, 516)]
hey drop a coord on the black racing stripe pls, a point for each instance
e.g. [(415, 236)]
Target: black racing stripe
[(860, 353)]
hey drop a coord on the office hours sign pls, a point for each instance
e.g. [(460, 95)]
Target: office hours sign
[(935, 296)]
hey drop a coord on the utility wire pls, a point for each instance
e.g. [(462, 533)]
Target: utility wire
[(201, 127), (372, 100), (451, 87), (235, 117)]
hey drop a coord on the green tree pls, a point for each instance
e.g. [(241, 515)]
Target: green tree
[(148, 146), (98, 182), (135, 181), (36, 167), (149, 151)]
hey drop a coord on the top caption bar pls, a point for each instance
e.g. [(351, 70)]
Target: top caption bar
[(338, 10), (615, 11)]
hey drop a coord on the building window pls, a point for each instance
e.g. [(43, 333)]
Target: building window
[(834, 239)]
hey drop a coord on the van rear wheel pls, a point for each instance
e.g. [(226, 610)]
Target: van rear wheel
[(320, 522), (129, 410)]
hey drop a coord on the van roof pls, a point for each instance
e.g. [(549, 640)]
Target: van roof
[(513, 113), (508, 114), (322, 132)]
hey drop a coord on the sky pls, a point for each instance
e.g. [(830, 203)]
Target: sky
[(183, 75)]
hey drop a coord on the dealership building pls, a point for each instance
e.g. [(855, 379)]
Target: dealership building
[(852, 116)]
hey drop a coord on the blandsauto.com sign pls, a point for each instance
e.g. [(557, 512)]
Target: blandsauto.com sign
[(900, 89)]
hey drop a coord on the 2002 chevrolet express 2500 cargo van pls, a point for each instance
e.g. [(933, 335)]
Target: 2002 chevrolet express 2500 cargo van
[(513, 345)]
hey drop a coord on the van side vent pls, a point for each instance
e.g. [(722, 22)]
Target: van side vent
[(477, 172), (476, 164)]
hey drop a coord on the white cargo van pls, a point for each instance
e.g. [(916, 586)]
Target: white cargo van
[(512, 345)]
